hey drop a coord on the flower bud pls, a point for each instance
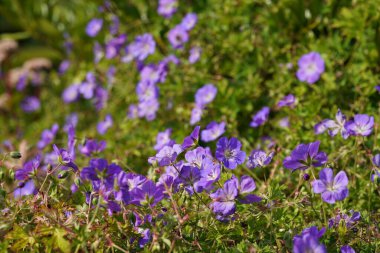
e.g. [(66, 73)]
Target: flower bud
[(306, 177), (15, 154), (63, 174)]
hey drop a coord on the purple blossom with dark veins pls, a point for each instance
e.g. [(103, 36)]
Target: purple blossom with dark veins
[(167, 8), (103, 126), (24, 189), (260, 117), (259, 158), (178, 36), (361, 124), (332, 188), (114, 45), (148, 194), (304, 156), (167, 155), (192, 139), (229, 153), (148, 109), (92, 146), (28, 169), (99, 172), (310, 67), (287, 100), (213, 131), (308, 241), (349, 220), (65, 158), (210, 173), (196, 156), (30, 104), (337, 126), (47, 136), (94, 26), (320, 127), (143, 46), (189, 176)]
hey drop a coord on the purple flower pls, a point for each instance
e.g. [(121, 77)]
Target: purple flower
[(308, 241), (361, 124), (332, 189), (163, 139), (347, 249), (195, 54), (47, 136), (103, 126), (224, 198), (178, 36), (101, 97), (71, 93), (213, 131), (87, 88), (63, 67), (114, 27), (98, 52), (167, 8), (93, 27), (30, 104), (287, 100), (377, 87), (167, 155), (192, 139), (132, 111), (189, 21), (210, 173), (229, 153), (65, 158), (205, 95), (284, 122), (349, 220), (259, 158), (28, 170), (260, 117), (310, 67), (143, 46), (25, 188), (196, 115), (189, 176), (149, 194), (114, 45), (320, 127), (337, 126), (92, 146), (304, 156), (376, 160), (148, 109), (100, 173)]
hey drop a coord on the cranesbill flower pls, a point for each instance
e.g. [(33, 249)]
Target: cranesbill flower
[(98, 52), (213, 131), (71, 93), (87, 88), (148, 194), (148, 109), (210, 173), (101, 97), (361, 124), (92, 146), (28, 169), (332, 188), (304, 156), (167, 155), (287, 100), (205, 95), (30, 104), (347, 249), (103, 126), (189, 177), (63, 67), (163, 139), (337, 126), (143, 46), (99, 172), (349, 220), (167, 8), (178, 36), (25, 188), (229, 153), (284, 122), (189, 21), (260, 117), (94, 26), (376, 160), (224, 198), (192, 139), (310, 67), (114, 45), (65, 158), (259, 158), (47, 136), (320, 127), (195, 54), (196, 114), (308, 241)]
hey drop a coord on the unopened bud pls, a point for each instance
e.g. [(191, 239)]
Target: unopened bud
[(306, 177), (15, 154), (63, 174)]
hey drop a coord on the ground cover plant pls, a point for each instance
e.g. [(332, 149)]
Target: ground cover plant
[(190, 126)]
